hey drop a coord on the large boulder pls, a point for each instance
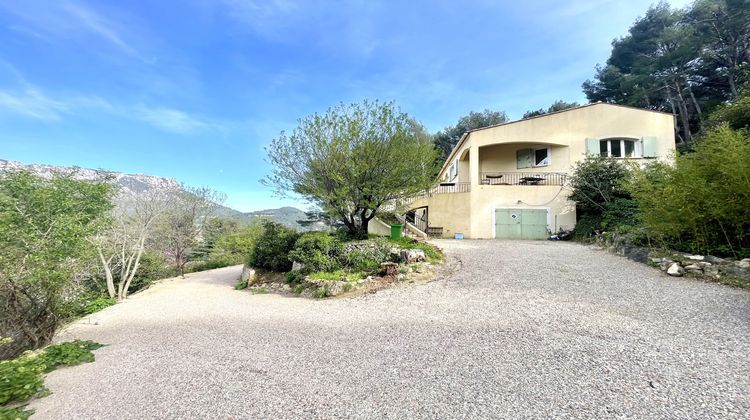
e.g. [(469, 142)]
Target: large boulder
[(411, 256)]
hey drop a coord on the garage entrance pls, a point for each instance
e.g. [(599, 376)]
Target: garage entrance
[(521, 223)]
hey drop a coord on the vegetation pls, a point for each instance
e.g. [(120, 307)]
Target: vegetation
[(318, 251), (45, 228), (22, 378), (556, 106), (271, 250), (711, 189), (446, 139), (682, 61), (352, 160)]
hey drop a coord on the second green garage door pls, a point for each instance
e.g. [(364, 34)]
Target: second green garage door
[(521, 223)]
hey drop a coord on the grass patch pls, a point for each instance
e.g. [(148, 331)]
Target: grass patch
[(242, 284), (22, 378), (432, 253), (258, 290), (298, 288), (349, 276), (98, 304)]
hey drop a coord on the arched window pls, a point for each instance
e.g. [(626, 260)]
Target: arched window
[(620, 148)]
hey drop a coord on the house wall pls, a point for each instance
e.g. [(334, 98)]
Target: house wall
[(452, 212), (502, 158), (494, 149)]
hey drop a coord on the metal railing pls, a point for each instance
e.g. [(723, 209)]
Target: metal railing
[(523, 178), (442, 188)]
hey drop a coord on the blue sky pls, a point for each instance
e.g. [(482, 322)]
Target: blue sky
[(194, 90)]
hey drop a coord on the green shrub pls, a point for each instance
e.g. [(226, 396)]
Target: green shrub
[(318, 251), (15, 413), (368, 255), (298, 288), (68, 354), (21, 378), (258, 290), (702, 202), (98, 304), (242, 284), (271, 250), (295, 277)]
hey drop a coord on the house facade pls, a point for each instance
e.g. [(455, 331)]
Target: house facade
[(510, 180)]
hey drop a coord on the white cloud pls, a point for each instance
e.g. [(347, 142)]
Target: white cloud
[(173, 120), (33, 104)]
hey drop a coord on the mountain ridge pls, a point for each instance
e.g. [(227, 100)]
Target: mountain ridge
[(139, 183)]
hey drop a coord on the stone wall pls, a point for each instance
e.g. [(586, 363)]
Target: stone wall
[(676, 263)]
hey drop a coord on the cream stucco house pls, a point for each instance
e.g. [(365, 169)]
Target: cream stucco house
[(509, 180)]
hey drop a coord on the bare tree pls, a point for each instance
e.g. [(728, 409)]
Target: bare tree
[(120, 249), (181, 227)]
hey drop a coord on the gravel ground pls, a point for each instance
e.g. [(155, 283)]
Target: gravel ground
[(522, 329)]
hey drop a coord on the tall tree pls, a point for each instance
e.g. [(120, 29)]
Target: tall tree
[(182, 224), (121, 247), (352, 160), (447, 138), (45, 228)]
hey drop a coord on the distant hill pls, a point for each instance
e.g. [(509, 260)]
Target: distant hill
[(139, 183)]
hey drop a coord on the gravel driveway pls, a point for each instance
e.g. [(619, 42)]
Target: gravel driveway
[(522, 329)]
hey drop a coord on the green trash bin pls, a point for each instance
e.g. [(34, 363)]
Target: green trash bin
[(396, 231)]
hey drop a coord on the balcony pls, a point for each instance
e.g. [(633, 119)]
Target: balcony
[(523, 178)]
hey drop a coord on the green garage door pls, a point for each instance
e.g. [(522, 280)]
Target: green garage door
[(521, 224)]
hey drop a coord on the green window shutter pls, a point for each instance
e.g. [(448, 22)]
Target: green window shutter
[(648, 145), (592, 147), (524, 158)]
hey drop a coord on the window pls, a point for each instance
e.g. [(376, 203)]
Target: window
[(453, 171), (619, 148), (541, 157)]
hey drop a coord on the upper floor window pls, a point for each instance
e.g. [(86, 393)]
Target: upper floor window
[(620, 148), (527, 158)]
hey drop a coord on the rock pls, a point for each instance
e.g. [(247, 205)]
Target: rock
[(693, 268), (334, 288), (695, 257), (711, 271), (248, 274), (394, 254), (675, 270), (714, 260), (389, 268), (410, 256), (665, 264), (743, 263), (296, 266)]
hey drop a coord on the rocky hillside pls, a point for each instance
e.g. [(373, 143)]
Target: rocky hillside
[(138, 183)]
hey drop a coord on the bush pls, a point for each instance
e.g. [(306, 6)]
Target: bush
[(21, 378), (98, 304), (318, 251), (702, 203), (271, 249), (367, 256), (429, 251), (295, 277), (68, 354)]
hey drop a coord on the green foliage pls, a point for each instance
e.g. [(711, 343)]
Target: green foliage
[(21, 378), (15, 413), (353, 159), (98, 304), (298, 288), (272, 247), (45, 228), (318, 251), (556, 106), (447, 138), (369, 255), (295, 277), (231, 248), (602, 202), (241, 284), (258, 290), (319, 293), (153, 266), (736, 114), (432, 253), (68, 354), (702, 203)]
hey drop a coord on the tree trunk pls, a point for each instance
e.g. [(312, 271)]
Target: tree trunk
[(107, 274), (684, 114)]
